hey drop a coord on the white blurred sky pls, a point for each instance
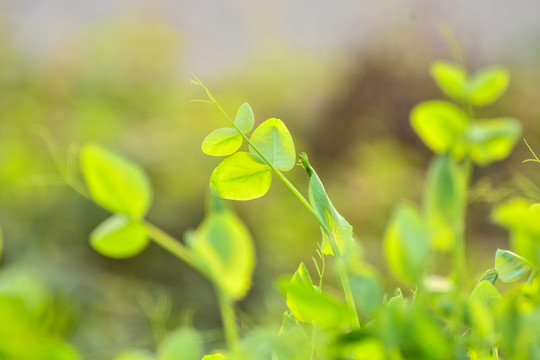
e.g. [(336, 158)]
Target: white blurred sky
[(218, 32)]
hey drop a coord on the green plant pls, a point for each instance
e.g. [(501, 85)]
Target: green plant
[(434, 316)]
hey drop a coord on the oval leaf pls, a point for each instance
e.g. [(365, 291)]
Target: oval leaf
[(451, 78), (406, 243), (222, 142), (216, 356), (488, 85), (493, 139), (273, 140), (244, 119), (224, 252), (119, 237), (241, 176), (441, 125), (115, 183), (185, 344), (510, 266)]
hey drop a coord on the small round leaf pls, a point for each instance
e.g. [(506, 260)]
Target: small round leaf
[(273, 140), (493, 139), (244, 119), (184, 343), (222, 142), (488, 85), (451, 78)]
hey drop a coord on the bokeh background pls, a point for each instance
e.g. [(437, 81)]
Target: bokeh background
[(343, 76)]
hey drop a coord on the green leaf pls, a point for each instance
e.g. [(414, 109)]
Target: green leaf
[(308, 304), (115, 183), (441, 125), (224, 251), (135, 354), (523, 222), (216, 356), (444, 200), (296, 343), (451, 78), (119, 237), (406, 243), (222, 142), (184, 343), (510, 266), (340, 228), (273, 140), (244, 118), (367, 290), (493, 139), (482, 302), (241, 176), (488, 85)]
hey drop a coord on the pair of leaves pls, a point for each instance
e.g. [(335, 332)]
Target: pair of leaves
[(522, 220), (248, 175), (483, 88), (444, 127), (223, 251), (309, 304), (341, 230), (123, 188)]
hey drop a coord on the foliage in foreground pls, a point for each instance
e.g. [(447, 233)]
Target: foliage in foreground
[(435, 315)]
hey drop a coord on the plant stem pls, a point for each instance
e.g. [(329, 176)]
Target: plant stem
[(170, 244), (349, 297), (228, 318)]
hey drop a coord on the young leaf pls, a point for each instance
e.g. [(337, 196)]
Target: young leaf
[(216, 356), (441, 125), (444, 201), (222, 142), (185, 344), (488, 85), (451, 78), (493, 139), (297, 344), (135, 354), (244, 118), (510, 266), (115, 183), (406, 243), (224, 251), (241, 176), (482, 302), (273, 140), (119, 237), (307, 304)]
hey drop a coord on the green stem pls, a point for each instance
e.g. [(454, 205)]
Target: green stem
[(349, 297), (228, 318), (170, 244)]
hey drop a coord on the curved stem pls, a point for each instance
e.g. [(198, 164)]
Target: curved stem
[(228, 319), (344, 277)]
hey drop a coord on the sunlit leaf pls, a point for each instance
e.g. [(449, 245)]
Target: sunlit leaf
[(119, 237), (493, 139), (224, 251), (451, 78), (406, 243), (185, 344), (444, 201), (222, 142), (429, 335), (441, 125), (244, 119), (482, 302), (510, 266), (135, 354), (241, 176), (297, 344), (115, 183), (273, 140), (216, 356), (488, 85), (308, 304)]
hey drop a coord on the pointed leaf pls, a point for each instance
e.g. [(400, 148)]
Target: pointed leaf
[(222, 142), (115, 183), (273, 140), (241, 176), (244, 119), (493, 139), (444, 202), (441, 125), (406, 243), (224, 252), (451, 78), (488, 85), (185, 344), (119, 237), (510, 266)]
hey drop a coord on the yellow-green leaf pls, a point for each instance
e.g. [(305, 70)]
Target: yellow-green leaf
[(244, 119), (451, 78), (493, 139), (273, 140), (222, 142), (185, 344), (487, 85), (510, 266)]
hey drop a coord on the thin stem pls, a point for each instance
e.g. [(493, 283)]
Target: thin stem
[(349, 297), (170, 244), (228, 318)]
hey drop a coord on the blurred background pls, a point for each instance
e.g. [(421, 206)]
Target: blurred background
[(342, 75)]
